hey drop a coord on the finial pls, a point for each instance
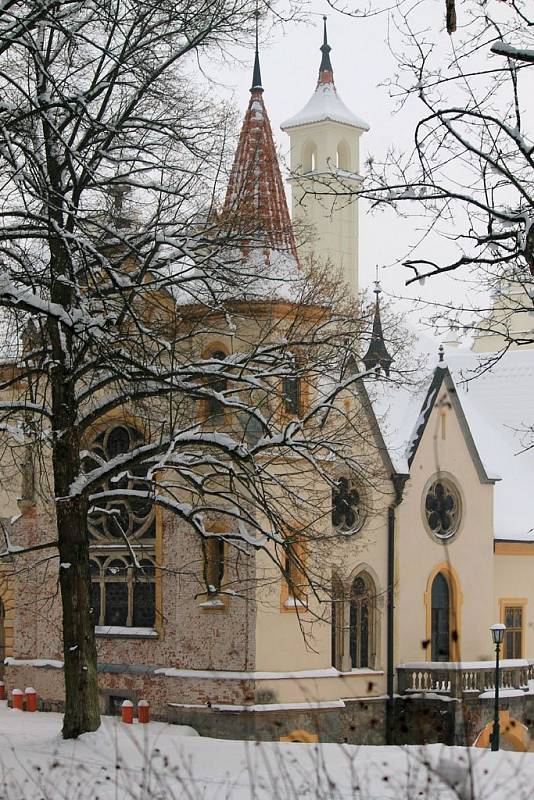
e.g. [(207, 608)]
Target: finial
[(378, 289), (441, 353), (256, 74), (326, 64)]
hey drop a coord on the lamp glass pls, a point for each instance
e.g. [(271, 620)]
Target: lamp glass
[(497, 633)]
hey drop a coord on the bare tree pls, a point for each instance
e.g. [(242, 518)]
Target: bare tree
[(115, 273), (468, 180)]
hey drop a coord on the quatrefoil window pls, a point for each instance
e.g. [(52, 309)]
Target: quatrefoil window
[(347, 506), (442, 508)]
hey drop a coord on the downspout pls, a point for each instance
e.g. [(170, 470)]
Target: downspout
[(398, 484)]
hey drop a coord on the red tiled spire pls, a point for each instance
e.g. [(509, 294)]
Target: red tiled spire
[(255, 197)]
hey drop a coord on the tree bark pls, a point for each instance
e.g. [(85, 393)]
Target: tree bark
[(82, 713)]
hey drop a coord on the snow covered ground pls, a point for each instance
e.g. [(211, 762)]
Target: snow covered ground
[(166, 762)]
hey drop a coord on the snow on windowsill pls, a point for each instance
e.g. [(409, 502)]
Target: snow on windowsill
[(123, 630), (213, 602), (33, 662), (294, 602)]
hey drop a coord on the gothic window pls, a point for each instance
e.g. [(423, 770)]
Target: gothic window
[(123, 595), (440, 621), (122, 534), (362, 599), (442, 508), (347, 506), (116, 518)]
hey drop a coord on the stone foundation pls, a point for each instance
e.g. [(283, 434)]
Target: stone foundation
[(189, 701)]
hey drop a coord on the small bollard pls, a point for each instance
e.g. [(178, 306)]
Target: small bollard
[(2, 690), (127, 712), (17, 697), (31, 699), (143, 712)]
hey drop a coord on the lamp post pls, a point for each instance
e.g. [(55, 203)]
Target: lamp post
[(497, 634)]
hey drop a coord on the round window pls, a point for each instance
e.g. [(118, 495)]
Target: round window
[(348, 513), (442, 508)]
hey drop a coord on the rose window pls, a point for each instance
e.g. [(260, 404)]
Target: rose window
[(129, 516), (442, 509), (347, 510)]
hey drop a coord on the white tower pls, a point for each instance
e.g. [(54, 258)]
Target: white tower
[(325, 160)]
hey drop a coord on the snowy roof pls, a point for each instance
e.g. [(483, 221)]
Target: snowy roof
[(244, 278), (325, 104), (397, 409), (498, 405), (496, 400)]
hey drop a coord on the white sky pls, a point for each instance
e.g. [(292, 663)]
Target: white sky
[(362, 61)]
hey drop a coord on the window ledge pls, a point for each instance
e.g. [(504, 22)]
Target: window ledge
[(122, 631), (213, 603), (295, 603)]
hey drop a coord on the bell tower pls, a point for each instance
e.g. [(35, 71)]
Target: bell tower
[(325, 160)]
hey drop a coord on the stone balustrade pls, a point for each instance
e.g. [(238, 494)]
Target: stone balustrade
[(461, 678)]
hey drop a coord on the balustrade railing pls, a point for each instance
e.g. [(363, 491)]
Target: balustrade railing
[(458, 679)]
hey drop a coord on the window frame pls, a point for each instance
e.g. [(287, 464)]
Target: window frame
[(293, 594), (513, 602), (131, 578)]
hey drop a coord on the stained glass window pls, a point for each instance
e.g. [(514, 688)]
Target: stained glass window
[(122, 594), (347, 507), (442, 509), (361, 622)]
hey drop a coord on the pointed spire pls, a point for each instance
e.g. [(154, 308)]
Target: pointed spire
[(326, 72), (255, 204), (256, 74), (377, 355)]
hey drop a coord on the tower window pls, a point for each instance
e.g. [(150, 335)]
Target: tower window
[(214, 406), (343, 156)]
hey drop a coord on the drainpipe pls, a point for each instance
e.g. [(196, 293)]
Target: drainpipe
[(398, 484)]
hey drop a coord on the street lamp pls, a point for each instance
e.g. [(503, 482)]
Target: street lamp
[(497, 634)]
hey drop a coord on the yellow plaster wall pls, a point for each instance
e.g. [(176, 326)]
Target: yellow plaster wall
[(469, 556), (514, 582)]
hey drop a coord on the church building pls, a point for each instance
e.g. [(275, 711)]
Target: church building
[(421, 558)]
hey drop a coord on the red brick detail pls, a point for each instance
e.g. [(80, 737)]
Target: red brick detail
[(255, 203)]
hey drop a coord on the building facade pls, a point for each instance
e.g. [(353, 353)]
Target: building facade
[(420, 558)]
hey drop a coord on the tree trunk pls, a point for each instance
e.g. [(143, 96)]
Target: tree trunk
[(81, 686)]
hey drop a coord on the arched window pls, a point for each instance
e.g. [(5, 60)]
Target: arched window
[(309, 157), (343, 156), (362, 599), (440, 619), (214, 406), (123, 584)]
